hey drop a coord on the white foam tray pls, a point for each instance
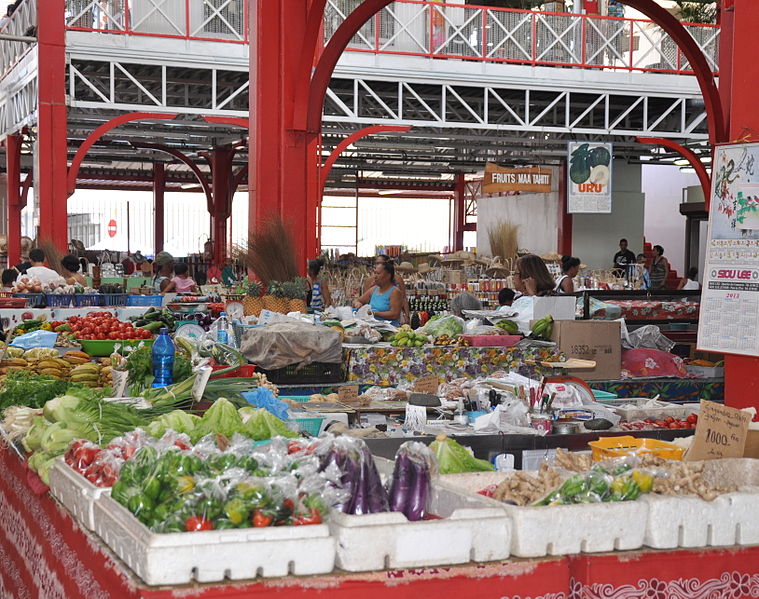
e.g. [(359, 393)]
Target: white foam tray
[(471, 528), (76, 493), (641, 413), (209, 556), (563, 529)]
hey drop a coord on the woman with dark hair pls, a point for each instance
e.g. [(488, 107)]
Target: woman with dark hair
[(384, 297), (690, 283), (399, 283), (70, 266), (319, 296), (532, 276), (659, 269), (570, 266)]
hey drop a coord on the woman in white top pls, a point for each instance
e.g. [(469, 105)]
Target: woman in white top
[(570, 266), (691, 283)]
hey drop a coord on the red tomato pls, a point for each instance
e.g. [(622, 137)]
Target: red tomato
[(113, 335), (194, 523)]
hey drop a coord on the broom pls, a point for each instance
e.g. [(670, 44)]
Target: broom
[(269, 253), (503, 240)]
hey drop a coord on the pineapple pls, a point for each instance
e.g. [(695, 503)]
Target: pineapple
[(252, 303), (297, 291), (276, 300)]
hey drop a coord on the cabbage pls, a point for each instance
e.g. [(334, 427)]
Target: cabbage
[(31, 441), (453, 458), (246, 413), (60, 408), (179, 421), (262, 425), (57, 437), (447, 325), (221, 417)]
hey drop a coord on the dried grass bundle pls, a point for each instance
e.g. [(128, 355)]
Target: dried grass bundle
[(503, 238), (52, 255), (270, 252)]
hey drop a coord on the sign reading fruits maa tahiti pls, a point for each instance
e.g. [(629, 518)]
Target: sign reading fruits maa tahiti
[(729, 318), (530, 179), (589, 178)]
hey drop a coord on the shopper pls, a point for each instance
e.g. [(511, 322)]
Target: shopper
[(506, 297), (659, 269), (532, 276), (319, 296), (182, 282), (399, 283), (645, 275), (38, 270), (464, 301), (691, 282), (623, 259), (71, 266), (384, 297), (9, 277), (570, 266), (163, 266)]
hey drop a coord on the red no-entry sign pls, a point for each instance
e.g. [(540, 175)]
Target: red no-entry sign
[(111, 228)]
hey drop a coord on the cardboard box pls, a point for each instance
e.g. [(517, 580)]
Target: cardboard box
[(751, 449), (591, 340)]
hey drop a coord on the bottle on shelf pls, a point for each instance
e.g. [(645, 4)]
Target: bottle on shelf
[(163, 359), (222, 331)]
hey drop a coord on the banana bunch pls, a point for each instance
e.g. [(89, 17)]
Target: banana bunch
[(542, 329), (509, 326), (106, 376), (75, 358), (406, 337), (11, 364), (86, 374), (55, 367)]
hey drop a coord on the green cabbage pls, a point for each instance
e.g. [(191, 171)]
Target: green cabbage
[(32, 440), (447, 325), (60, 408), (178, 420), (221, 417), (58, 436), (453, 458), (262, 425)]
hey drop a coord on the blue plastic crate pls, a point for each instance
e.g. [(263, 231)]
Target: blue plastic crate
[(33, 300), (312, 426), (87, 300), (59, 300), (114, 299), (144, 300)]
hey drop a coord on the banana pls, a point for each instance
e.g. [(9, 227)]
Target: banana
[(84, 378), (75, 360), (76, 354), (51, 372), (89, 367), (543, 328), (48, 363), (15, 362)]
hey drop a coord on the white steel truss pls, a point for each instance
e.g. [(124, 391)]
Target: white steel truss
[(488, 107), (21, 23), (18, 95)]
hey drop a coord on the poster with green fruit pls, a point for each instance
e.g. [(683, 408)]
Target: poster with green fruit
[(589, 177)]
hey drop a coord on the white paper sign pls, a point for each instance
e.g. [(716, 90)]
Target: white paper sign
[(589, 170), (729, 318)]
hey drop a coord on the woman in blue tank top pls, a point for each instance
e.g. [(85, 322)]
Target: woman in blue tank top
[(384, 297)]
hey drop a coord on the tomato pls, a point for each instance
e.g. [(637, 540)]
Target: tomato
[(113, 335), (314, 517), (260, 519), (100, 337), (195, 523)]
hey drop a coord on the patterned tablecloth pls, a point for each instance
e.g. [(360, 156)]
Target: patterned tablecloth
[(384, 365), (651, 310)]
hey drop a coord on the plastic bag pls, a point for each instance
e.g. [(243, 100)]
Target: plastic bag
[(446, 325), (409, 486), (262, 397), (647, 337), (38, 338)]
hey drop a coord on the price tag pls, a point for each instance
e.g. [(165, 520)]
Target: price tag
[(120, 378), (347, 394), (720, 433), (427, 384), (201, 380)]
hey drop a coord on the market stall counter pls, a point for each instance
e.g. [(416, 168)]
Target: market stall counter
[(43, 552)]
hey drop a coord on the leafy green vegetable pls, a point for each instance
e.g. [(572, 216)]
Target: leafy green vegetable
[(33, 439), (453, 458), (262, 425), (23, 388), (41, 463), (221, 417), (448, 325), (177, 420)]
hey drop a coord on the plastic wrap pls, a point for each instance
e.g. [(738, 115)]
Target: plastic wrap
[(445, 325), (647, 337), (409, 486)]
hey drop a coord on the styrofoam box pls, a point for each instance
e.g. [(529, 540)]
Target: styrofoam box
[(641, 413), (76, 493), (207, 556), (564, 529), (471, 528), (689, 521)]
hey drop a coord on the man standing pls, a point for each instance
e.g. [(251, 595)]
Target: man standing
[(39, 271), (623, 259)]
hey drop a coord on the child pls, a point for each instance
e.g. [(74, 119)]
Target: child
[(646, 279), (181, 283)]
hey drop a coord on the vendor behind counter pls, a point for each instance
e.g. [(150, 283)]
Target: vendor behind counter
[(384, 298)]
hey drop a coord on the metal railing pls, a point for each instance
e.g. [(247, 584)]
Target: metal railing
[(426, 28), (22, 23), (207, 20), (454, 31)]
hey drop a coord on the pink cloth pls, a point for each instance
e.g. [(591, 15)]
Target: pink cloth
[(183, 285), (652, 362)]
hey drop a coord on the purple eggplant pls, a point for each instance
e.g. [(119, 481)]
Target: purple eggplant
[(360, 502), (351, 482), (400, 487), (376, 494), (416, 505)]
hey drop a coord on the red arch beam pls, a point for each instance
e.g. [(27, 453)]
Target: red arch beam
[(98, 133), (703, 176), (353, 137)]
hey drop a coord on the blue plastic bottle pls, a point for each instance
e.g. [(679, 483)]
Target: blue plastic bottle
[(163, 359), (222, 333)]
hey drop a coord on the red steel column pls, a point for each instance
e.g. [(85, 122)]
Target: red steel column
[(565, 219), (159, 192), (283, 176), (740, 70), (459, 213), (13, 197), (223, 188), (51, 164)]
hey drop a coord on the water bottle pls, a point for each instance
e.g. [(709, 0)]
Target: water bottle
[(163, 359), (222, 333)]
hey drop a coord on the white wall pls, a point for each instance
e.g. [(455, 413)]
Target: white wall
[(595, 237), (537, 215), (664, 225)]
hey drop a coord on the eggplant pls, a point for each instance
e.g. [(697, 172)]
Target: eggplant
[(377, 495), (360, 502), (417, 503), (400, 487)]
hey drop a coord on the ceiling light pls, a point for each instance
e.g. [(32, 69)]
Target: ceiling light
[(189, 186), (389, 192), (682, 162), (687, 169)]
